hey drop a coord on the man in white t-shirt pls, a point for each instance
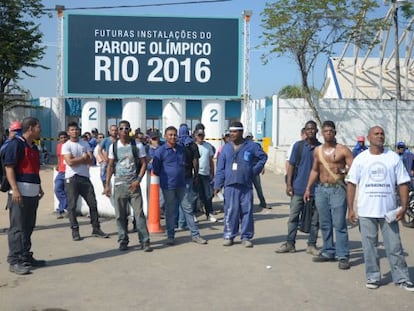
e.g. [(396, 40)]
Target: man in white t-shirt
[(376, 172), (127, 161), (78, 156)]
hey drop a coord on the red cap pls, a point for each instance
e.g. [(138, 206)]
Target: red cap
[(361, 138), (14, 126)]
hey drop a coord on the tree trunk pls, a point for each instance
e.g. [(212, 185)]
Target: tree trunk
[(307, 92)]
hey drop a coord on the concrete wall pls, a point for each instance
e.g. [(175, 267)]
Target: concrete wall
[(352, 118)]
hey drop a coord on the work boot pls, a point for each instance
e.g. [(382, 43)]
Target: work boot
[(227, 242), (343, 263), (311, 249), (286, 248), (199, 240), (147, 247), (97, 232), (123, 247), (322, 258), (75, 235), (19, 269), (32, 262), (247, 243)]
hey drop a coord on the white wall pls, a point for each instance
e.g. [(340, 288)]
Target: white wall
[(352, 118)]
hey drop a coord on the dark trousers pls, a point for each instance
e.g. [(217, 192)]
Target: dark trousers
[(205, 193), (81, 186), (22, 222), (258, 186)]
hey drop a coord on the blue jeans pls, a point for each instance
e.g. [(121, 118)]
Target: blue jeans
[(331, 205), (393, 248), (296, 206), (60, 192), (123, 198), (190, 197), (172, 198)]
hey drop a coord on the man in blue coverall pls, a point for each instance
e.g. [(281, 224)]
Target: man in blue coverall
[(239, 161)]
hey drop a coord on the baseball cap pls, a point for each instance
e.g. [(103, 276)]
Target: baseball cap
[(200, 132), (226, 133), (361, 138), (249, 134), (15, 126), (94, 130), (401, 144)]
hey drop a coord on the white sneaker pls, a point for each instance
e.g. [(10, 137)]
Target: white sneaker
[(407, 285), (195, 219), (371, 284), (212, 218)]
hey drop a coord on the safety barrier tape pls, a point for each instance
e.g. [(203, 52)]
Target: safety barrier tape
[(52, 139)]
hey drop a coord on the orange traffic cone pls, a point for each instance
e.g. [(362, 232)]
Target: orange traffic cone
[(153, 222)]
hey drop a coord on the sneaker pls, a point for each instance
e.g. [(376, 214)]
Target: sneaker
[(123, 247), (195, 219), (75, 235), (147, 247), (227, 242), (99, 233), (60, 216), (322, 258), (247, 243), (211, 218), (31, 262), (371, 284), (286, 248), (343, 264), (199, 240), (311, 249), (19, 269), (170, 242), (264, 205), (407, 285)]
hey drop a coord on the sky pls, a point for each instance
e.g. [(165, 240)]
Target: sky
[(265, 80)]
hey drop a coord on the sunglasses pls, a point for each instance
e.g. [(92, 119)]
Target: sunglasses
[(124, 128)]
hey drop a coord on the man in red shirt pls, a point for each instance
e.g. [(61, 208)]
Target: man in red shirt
[(21, 161), (60, 177)]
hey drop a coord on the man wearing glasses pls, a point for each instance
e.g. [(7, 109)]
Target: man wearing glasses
[(126, 160)]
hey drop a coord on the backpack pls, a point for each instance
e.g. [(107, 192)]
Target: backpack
[(4, 183), (135, 153), (299, 152)]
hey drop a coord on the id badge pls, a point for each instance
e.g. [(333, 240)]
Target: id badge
[(234, 167)]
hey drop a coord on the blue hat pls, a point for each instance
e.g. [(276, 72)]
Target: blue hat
[(401, 144)]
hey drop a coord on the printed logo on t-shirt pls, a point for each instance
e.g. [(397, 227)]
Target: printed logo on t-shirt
[(377, 172)]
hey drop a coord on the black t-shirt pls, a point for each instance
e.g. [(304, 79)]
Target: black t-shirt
[(191, 153)]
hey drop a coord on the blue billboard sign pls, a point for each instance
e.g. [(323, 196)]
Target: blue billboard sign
[(125, 56)]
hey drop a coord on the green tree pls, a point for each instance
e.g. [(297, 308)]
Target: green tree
[(20, 45), (296, 91), (304, 30), (407, 9)]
